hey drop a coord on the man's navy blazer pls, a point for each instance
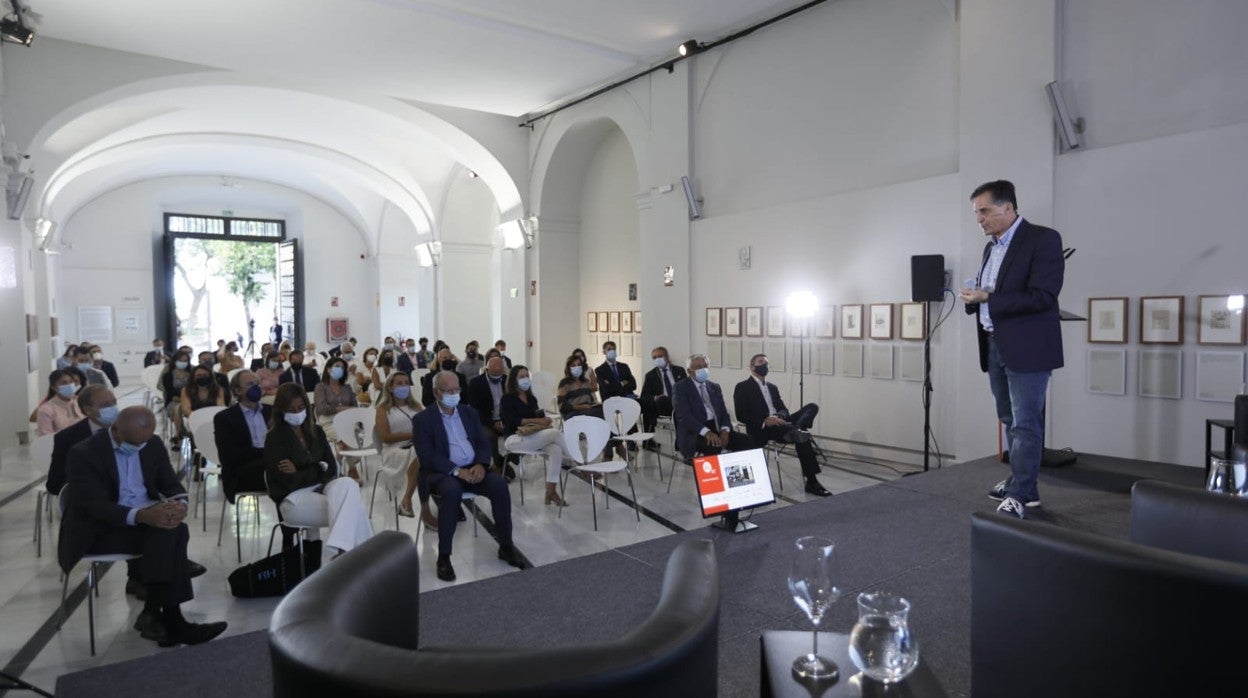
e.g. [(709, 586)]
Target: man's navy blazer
[(1026, 321), (690, 415), (433, 446)]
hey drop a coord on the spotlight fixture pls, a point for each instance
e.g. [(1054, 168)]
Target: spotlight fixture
[(14, 32), (689, 48)]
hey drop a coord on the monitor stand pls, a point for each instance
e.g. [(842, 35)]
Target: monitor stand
[(732, 522)]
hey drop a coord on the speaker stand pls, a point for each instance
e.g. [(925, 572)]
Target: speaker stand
[(927, 385)]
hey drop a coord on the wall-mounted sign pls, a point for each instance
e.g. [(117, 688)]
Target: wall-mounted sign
[(333, 301)]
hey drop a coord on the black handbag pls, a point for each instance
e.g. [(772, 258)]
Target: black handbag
[(276, 574)]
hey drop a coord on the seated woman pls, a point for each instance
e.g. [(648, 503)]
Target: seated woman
[(593, 377), (363, 370), (331, 396), (576, 392), (527, 428), (176, 376), (384, 369), (396, 406), (59, 408), (302, 476), (67, 359), (230, 359), (203, 390), (269, 375)]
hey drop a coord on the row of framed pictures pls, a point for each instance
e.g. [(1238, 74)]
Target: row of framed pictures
[(748, 321), (1219, 374), (855, 360), (1161, 320), (613, 321), (625, 344)]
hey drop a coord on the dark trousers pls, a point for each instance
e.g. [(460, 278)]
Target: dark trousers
[(493, 437), (653, 407), (451, 489), (802, 419), (736, 442), (163, 565)]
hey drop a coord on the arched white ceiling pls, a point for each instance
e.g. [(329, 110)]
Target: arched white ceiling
[(355, 153)]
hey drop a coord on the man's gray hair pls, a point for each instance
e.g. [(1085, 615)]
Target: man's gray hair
[(695, 357), (441, 377)]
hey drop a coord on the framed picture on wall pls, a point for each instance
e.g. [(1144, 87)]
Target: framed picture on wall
[(913, 321), (1221, 320), (337, 330), (825, 322), (626, 321), (1107, 321), (713, 318), (754, 321), (602, 321), (613, 325), (591, 322), (732, 322), (637, 321), (851, 322), (1161, 320), (881, 321), (775, 321)]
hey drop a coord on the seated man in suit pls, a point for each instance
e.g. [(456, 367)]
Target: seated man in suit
[(83, 362), (157, 355), (258, 362), (501, 346), (239, 432), (656, 391), (485, 392), (702, 421), (453, 457), (97, 360), (444, 361), (615, 378), (407, 358), (124, 498), (762, 411), (299, 374), (100, 407)]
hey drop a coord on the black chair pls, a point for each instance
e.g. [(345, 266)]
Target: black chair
[(1058, 612), (352, 629), (1189, 520)]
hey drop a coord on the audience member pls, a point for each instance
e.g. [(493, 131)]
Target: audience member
[(593, 378), (302, 472), (201, 391), (527, 428), (407, 358), (575, 392), (99, 406), (258, 362), (615, 378), (761, 409), (223, 382), (388, 344), (157, 355), (384, 369), (396, 407), (59, 408), (501, 346), (66, 360), (176, 376), (484, 393), (299, 374), (107, 367), (84, 363), (702, 421), (311, 357), (332, 395), (239, 432), (473, 362), (445, 361), (363, 371), (115, 479), (230, 360), (283, 351), (454, 454), (439, 345), (270, 376), (656, 391), (423, 356)]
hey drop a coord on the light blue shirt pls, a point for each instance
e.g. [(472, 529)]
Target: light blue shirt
[(988, 275), (461, 451), (131, 491), (255, 423)]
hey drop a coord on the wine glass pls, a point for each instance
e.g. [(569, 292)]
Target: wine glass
[(815, 584)]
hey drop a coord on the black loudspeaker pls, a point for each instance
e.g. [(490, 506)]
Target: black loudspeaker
[(927, 277)]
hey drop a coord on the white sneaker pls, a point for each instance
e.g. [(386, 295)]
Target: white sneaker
[(998, 493), (1011, 507)]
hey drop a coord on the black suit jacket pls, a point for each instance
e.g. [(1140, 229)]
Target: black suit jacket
[(426, 386), (111, 371), (481, 399), (406, 364), (652, 385), (154, 356), (94, 490), (608, 386), (690, 415), (233, 438), (64, 440), (310, 377), (751, 408), (1026, 321)]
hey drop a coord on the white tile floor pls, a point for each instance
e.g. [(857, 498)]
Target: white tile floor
[(30, 587)]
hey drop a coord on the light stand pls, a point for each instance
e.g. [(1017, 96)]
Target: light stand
[(801, 306)]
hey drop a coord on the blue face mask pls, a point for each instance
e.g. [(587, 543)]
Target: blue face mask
[(67, 390), (660, 362), (576, 371), (611, 355), (84, 365), (402, 391), (337, 373), (181, 364), (524, 383), (130, 449), (254, 393), (702, 375), (450, 400), (108, 415)]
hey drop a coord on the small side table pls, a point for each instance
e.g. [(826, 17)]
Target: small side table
[(780, 647), (1228, 437)]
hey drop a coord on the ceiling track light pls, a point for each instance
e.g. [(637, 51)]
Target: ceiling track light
[(689, 48)]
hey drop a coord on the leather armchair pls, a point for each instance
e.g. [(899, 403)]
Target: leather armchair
[(1058, 612), (352, 629), (1189, 520)]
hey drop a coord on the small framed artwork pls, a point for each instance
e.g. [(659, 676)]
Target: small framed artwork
[(613, 323), (913, 321), (851, 359), (732, 353), (754, 321), (602, 321), (591, 322), (825, 322), (851, 321), (715, 353), (882, 361), (825, 359), (714, 316), (1221, 320), (626, 321), (777, 355), (1161, 374), (1161, 320), (732, 322), (337, 329), (1107, 371), (1219, 375), (1107, 322), (912, 363), (882, 321), (637, 321), (775, 321)]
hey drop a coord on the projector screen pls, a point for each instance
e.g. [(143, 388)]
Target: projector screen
[(733, 481)]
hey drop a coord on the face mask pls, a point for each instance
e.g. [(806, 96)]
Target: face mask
[(389, 346), (182, 364), (97, 356), (450, 400), (295, 419), (67, 390), (254, 393), (370, 358), (610, 355), (130, 449), (401, 392), (337, 373), (702, 375), (411, 349), (761, 370), (107, 416), (84, 365), (296, 366), (347, 356), (203, 381), (495, 379), (576, 371), (448, 365), (274, 365), (387, 360), (524, 383), (660, 362), (158, 347)]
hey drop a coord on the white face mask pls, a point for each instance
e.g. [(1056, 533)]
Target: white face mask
[(295, 419)]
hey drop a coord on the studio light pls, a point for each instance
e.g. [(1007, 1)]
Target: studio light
[(14, 32), (689, 48), (802, 304), (513, 234)]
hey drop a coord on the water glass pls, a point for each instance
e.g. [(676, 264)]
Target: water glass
[(881, 644)]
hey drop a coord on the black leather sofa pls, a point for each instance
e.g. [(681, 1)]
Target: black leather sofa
[(352, 630), (1060, 612)]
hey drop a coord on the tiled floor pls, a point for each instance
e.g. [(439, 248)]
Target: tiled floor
[(30, 587)]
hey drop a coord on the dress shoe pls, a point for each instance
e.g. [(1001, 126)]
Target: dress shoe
[(509, 472), (445, 571), (136, 589), (511, 556), (406, 510), (150, 626), (191, 633), (194, 569), (813, 487)]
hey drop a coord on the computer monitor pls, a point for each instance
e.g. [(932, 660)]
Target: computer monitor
[(731, 482)]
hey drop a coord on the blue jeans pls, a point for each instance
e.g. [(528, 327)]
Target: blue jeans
[(1020, 406)]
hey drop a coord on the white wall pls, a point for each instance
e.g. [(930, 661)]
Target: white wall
[(465, 275)]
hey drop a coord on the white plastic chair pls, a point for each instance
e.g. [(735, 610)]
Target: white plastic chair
[(201, 416), (362, 445), (596, 433), (502, 449), (41, 459), (622, 414), (151, 381), (93, 589), (234, 372)]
